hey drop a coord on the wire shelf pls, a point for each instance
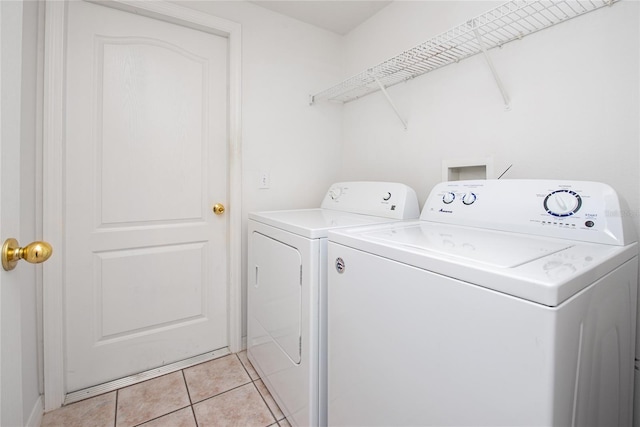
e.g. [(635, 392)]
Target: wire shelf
[(503, 24)]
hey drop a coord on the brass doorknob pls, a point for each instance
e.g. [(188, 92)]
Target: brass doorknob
[(218, 209), (35, 253)]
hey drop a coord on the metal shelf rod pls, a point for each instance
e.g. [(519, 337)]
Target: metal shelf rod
[(487, 57), (395, 109)]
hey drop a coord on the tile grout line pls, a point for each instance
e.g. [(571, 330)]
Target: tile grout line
[(186, 385), (115, 417), (195, 419), (265, 402), (224, 392), (193, 411), (256, 387), (163, 415), (215, 395), (251, 381), (245, 368), (168, 413)]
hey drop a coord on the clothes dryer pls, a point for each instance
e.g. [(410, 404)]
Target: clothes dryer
[(509, 303), (287, 262)]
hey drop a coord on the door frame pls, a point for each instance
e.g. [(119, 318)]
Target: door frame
[(52, 155)]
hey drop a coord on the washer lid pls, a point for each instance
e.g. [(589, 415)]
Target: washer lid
[(504, 250), (542, 270), (314, 223)]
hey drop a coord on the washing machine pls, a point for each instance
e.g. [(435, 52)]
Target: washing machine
[(287, 253), (509, 303)]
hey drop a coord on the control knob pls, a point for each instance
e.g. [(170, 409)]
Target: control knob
[(448, 197), (335, 192), (562, 203), (468, 198)]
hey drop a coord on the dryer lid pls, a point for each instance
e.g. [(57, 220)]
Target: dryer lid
[(314, 223)]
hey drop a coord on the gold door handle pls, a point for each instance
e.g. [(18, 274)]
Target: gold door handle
[(218, 209), (35, 253)]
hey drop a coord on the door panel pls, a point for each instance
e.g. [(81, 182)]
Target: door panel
[(145, 158), (119, 291), (135, 78)]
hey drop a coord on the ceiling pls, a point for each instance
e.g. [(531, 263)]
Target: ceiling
[(339, 16)]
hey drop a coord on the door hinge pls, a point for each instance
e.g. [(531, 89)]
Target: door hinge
[(300, 345), (300, 275)]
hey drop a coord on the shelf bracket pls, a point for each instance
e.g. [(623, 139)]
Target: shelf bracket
[(503, 91), (384, 91)]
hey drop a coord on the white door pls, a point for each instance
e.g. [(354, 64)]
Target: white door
[(145, 258), (11, 397)]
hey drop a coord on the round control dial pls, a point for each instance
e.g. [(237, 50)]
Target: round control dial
[(562, 203), (468, 198), (448, 197), (335, 192)]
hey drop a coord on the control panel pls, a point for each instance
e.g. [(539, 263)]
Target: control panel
[(383, 199), (577, 210)]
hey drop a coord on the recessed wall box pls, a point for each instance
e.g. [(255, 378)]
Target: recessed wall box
[(464, 169)]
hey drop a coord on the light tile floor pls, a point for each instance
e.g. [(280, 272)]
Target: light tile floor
[(222, 392)]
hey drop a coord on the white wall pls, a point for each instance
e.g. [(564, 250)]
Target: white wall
[(283, 62), (574, 91)]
